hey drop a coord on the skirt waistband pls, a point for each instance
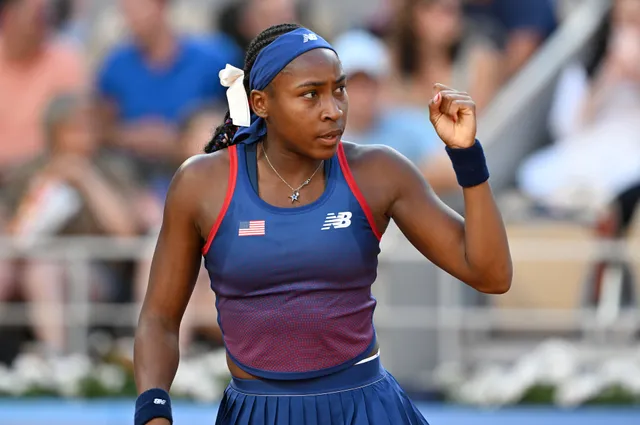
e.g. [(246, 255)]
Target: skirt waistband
[(356, 376)]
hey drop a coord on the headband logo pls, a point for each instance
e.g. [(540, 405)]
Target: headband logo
[(309, 37)]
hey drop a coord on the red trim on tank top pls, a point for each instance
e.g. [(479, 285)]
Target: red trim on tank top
[(346, 171), (231, 186)]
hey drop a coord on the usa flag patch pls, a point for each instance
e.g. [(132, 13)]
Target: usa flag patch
[(251, 228)]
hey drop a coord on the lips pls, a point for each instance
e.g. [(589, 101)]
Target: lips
[(332, 134)]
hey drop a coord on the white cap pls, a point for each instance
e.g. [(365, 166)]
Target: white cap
[(361, 51)]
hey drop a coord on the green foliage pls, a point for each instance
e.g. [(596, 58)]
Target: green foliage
[(614, 396), (539, 395)]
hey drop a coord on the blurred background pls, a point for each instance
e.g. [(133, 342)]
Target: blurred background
[(101, 100)]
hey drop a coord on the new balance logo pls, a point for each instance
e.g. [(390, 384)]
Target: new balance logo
[(159, 401), (341, 220), (309, 37)]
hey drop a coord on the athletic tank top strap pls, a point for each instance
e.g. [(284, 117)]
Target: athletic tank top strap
[(231, 188), (355, 190)]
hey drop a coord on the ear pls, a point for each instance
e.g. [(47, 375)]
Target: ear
[(259, 103)]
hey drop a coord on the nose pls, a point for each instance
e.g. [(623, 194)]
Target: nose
[(332, 110)]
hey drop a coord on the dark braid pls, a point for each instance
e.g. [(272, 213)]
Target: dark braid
[(223, 136)]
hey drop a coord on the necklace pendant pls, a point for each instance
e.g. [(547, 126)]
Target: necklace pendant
[(294, 196)]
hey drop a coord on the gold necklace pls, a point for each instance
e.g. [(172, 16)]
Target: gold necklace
[(295, 192)]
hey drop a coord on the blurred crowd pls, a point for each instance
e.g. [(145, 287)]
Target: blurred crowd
[(97, 110)]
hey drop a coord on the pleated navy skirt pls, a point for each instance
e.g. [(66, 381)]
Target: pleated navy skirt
[(365, 394)]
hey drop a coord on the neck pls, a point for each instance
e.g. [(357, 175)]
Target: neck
[(161, 48), (292, 167), (435, 55)]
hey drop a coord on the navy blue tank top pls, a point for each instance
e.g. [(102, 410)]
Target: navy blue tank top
[(293, 285)]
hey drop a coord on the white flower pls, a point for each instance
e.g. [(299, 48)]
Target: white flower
[(111, 377), (578, 390), (187, 376), (32, 371), (9, 382), (556, 361), (621, 371), (486, 387), (200, 377), (68, 373)]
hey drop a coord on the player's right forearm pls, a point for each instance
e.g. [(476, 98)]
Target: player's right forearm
[(156, 354)]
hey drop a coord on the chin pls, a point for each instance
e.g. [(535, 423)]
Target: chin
[(324, 149)]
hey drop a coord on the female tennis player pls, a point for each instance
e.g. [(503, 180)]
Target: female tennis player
[(289, 218)]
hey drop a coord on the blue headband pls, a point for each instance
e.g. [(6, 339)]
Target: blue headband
[(270, 61)]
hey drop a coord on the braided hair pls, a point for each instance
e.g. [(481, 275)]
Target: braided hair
[(223, 136)]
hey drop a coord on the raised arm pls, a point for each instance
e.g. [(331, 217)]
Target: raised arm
[(474, 250), (175, 266)]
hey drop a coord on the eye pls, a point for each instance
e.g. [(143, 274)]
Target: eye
[(310, 95), (342, 89)]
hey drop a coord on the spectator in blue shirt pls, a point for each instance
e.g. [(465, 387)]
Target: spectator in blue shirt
[(145, 84)]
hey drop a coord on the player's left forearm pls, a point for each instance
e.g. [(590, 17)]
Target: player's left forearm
[(486, 245)]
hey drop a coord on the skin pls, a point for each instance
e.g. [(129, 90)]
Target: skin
[(24, 29), (306, 100)]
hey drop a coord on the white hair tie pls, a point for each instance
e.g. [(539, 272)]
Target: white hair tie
[(239, 110)]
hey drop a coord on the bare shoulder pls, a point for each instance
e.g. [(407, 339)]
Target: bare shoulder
[(199, 187), (381, 173), (203, 168), (378, 162)]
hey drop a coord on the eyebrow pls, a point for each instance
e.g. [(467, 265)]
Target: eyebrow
[(340, 79)]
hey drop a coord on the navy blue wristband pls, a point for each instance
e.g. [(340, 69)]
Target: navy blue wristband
[(152, 404), (469, 164)]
